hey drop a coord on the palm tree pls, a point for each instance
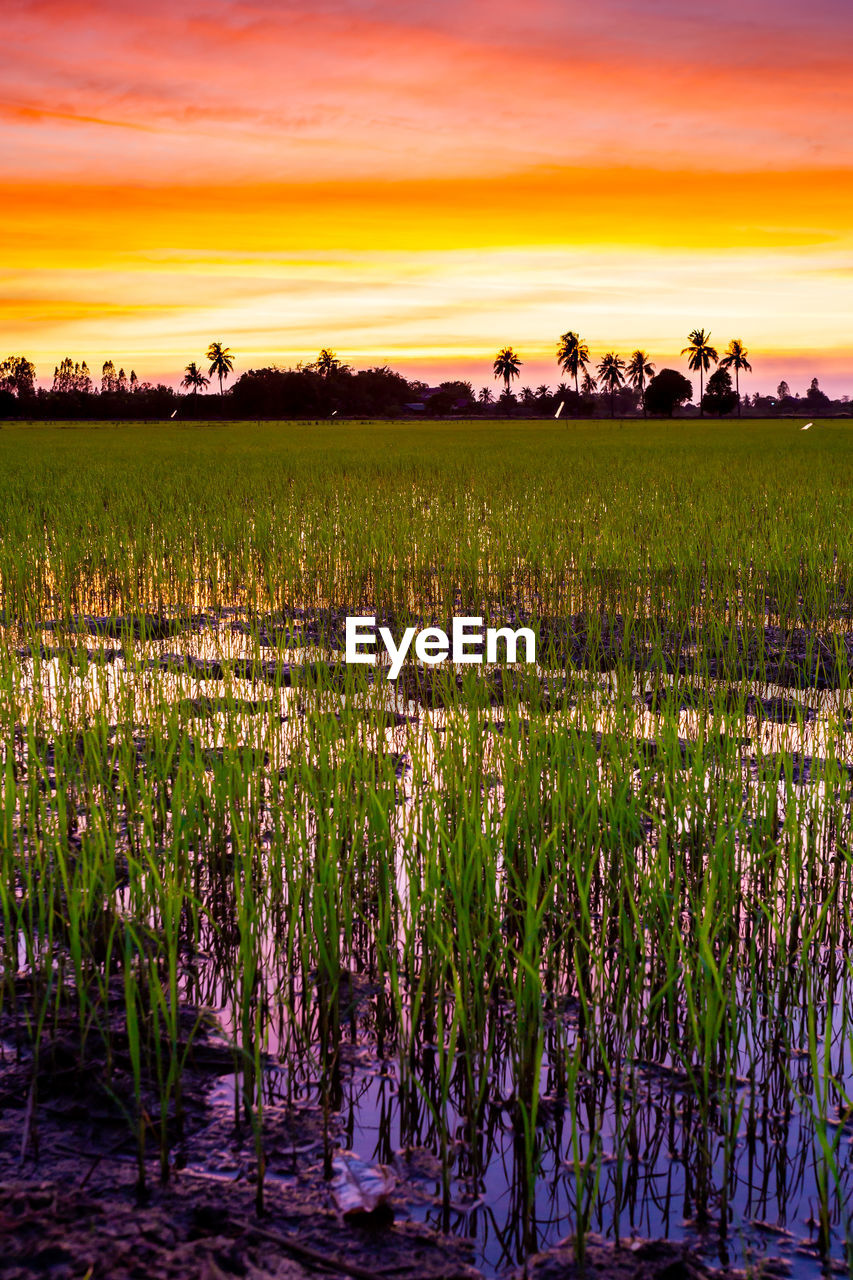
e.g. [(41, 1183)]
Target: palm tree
[(611, 371), (221, 362), (327, 362), (193, 378), (735, 358), (572, 355), (485, 396), (589, 386), (639, 368), (507, 365), (700, 356)]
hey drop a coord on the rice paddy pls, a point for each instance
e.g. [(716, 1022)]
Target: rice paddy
[(539, 951)]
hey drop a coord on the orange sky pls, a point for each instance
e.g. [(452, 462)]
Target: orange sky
[(421, 184)]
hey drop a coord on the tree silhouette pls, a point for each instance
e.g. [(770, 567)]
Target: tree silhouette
[(611, 372), (572, 355), (666, 390), (735, 358), (783, 390), (816, 398), (221, 362), (18, 375), (638, 369), (589, 386), (194, 378), (507, 365), (328, 363), (109, 379), (486, 396), (700, 356), (720, 396)]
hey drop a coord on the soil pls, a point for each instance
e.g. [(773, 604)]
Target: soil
[(71, 1208)]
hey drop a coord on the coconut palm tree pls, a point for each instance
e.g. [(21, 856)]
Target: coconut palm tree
[(327, 363), (700, 356), (572, 355), (507, 365), (221, 362), (735, 358), (193, 378), (589, 386), (611, 371), (639, 368)]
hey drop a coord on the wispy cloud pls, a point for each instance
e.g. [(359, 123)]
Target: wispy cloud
[(416, 180)]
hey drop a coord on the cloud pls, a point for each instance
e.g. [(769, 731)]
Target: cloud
[(414, 179), (374, 90)]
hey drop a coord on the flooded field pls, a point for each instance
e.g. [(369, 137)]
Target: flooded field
[(481, 960)]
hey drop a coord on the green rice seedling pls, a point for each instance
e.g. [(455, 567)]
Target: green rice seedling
[(132, 1001), (614, 882)]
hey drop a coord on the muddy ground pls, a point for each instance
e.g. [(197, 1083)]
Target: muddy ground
[(71, 1208)]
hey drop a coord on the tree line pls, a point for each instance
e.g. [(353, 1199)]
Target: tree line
[(659, 393), (327, 387)]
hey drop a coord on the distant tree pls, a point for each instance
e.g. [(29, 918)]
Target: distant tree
[(462, 393), (372, 393), (121, 381), (18, 376), (134, 381), (109, 378), (816, 398), (486, 396), (572, 356), (507, 401), (783, 391), (735, 358), (720, 396), (440, 404), (638, 369), (221, 362), (63, 377), (543, 392), (666, 391), (282, 393), (589, 386), (611, 373), (83, 379), (528, 399), (506, 366), (193, 379), (327, 363), (700, 356)]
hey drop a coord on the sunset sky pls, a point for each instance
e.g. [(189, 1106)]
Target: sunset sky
[(420, 184)]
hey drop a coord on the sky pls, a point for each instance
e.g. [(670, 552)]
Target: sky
[(421, 184)]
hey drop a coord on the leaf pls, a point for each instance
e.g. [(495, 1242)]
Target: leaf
[(358, 1187)]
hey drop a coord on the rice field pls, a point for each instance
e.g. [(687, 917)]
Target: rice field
[(540, 951)]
